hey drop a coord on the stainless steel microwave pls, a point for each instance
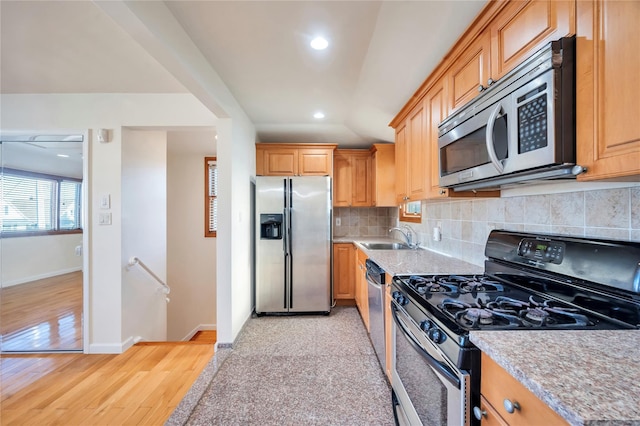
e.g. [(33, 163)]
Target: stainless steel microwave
[(520, 129)]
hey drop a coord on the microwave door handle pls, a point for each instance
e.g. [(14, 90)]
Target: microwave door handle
[(491, 150)]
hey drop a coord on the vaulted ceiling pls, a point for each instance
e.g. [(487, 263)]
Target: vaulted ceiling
[(379, 53)]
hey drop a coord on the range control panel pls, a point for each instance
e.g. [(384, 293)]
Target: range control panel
[(542, 250)]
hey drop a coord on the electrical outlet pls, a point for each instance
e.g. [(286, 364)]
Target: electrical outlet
[(338, 221)]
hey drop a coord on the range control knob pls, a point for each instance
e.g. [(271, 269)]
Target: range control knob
[(426, 325), (400, 298), (436, 335)]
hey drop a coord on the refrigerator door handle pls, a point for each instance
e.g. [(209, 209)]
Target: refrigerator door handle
[(290, 238)]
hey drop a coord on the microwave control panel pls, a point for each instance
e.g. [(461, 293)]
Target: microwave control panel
[(542, 250), (532, 120)]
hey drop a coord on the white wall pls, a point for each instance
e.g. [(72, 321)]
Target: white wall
[(144, 234), (191, 267), (236, 148), (112, 111), (27, 259)]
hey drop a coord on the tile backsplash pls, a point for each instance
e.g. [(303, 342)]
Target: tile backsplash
[(364, 221), (465, 225)]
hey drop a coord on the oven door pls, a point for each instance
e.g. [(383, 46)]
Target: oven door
[(429, 390)]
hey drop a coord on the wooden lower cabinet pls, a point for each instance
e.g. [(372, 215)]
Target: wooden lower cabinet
[(497, 387), (343, 272), (362, 298)]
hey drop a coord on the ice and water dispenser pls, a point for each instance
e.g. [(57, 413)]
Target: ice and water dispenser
[(271, 226)]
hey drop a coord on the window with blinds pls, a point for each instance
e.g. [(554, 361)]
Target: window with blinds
[(211, 197), (34, 203)]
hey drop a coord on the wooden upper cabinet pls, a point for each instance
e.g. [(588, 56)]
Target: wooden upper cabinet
[(341, 180), (401, 166), (352, 178), (469, 72), (315, 162), (383, 175), (436, 101), (294, 159), (523, 27), (416, 154), (361, 180), (608, 85), (280, 162)]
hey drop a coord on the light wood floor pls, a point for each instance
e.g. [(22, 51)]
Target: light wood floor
[(140, 387), (42, 315)]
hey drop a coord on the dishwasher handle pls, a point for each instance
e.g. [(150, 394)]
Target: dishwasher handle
[(374, 272)]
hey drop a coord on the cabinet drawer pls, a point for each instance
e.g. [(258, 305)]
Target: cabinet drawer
[(496, 386)]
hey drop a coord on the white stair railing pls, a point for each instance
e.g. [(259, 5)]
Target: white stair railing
[(136, 261)]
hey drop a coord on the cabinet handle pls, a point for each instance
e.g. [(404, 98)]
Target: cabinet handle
[(479, 413), (443, 191), (481, 88), (511, 407), (490, 81)]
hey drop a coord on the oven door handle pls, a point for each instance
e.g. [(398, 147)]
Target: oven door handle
[(440, 368)]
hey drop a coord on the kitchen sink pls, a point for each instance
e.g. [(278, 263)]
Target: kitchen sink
[(385, 246)]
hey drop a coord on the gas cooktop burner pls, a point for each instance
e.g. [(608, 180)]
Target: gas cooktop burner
[(508, 312), (454, 284)]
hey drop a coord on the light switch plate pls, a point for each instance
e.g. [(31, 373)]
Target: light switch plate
[(105, 201), (104, 218)]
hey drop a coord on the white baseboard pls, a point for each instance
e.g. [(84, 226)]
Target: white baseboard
[(109, 348), (40, 276), (200, 327)]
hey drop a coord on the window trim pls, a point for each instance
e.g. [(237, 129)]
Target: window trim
[(207, 198), (408, 217), (58, 179)]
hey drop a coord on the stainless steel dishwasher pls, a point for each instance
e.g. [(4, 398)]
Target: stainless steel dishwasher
[(376, 287)]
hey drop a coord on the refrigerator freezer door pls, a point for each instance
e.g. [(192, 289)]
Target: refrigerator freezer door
[(271, 294), (310, 224)]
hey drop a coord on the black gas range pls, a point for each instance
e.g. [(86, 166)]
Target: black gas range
[(530, 282)]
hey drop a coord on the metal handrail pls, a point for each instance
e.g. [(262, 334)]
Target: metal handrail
[(136, 261)]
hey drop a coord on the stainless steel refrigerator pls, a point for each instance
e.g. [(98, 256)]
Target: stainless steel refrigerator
[(293, 244)]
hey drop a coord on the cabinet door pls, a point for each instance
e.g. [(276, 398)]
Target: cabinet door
[(280, 162), (436, 113), (490, 416), (361, 180), (343, 277), (416, 152), (496, 386), (401, 164), (470, 71), (607, 89), (523, 27), (383, 176), (362, 288), (315, 162), (341, 180)]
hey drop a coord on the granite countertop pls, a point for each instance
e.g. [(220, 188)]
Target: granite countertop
[(419, 261), (588, 377)]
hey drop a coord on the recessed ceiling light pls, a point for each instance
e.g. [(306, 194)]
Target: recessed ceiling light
[(319, 43), (63, 155), (318, 115)]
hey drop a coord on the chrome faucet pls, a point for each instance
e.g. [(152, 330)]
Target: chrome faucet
[(408, 234)]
